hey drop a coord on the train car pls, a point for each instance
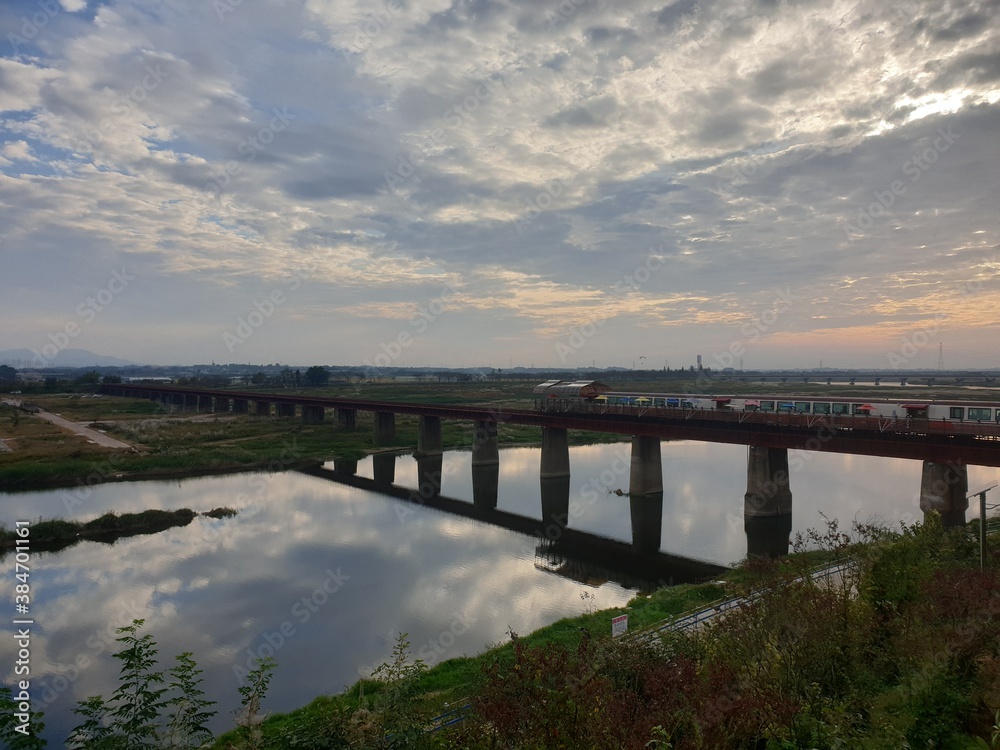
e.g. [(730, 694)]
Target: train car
[(905, 409)]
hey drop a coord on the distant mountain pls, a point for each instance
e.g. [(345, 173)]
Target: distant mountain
[(26, 358)]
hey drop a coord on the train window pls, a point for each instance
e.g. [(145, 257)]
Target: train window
[(769, 406), (802, 407), (821, 408), (841, 408), (957, 412), (975, 413)]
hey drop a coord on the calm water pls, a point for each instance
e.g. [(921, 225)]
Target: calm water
[(325, 575)]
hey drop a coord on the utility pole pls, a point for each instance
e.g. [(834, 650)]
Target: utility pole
[(982, 522)]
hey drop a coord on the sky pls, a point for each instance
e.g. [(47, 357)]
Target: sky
[(548, 183)]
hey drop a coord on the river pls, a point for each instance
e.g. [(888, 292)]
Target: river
[(324, 576)]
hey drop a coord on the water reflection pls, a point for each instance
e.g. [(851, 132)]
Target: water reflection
[(233, 589), (485, 485), (768, 536)]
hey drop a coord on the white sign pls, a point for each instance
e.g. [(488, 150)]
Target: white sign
[(619, 625)]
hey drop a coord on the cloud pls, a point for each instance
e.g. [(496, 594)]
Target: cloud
[(532, 155), (18, 151)]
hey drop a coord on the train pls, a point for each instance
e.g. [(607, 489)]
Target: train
[(595, 394)]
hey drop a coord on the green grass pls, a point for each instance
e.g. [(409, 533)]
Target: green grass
[(451, 681)]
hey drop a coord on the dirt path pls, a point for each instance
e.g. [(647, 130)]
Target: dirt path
[(99, 438)]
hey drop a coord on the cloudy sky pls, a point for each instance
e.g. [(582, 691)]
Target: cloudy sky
[(439, 182)]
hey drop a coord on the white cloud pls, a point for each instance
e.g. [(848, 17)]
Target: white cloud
[(532, 156)]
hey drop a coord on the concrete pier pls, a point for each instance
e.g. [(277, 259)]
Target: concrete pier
[(646, 515), (384, 467), (943, 488), (312, 414), (429, 436), (348, 418), (485, 480), (485, 449), (555, 452), (241, 406), (262, 408), (286, 410), (385, 428), (768, 492), (191, 403), (646, 474)]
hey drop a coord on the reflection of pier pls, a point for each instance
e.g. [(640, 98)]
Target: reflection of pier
[(558, 548)]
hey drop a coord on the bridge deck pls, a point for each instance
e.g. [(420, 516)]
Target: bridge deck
[(972, 443)]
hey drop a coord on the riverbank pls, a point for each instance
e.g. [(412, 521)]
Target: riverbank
[(57, 534), (903, 651)]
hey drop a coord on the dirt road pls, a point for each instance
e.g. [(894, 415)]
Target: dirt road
[(83, 431)]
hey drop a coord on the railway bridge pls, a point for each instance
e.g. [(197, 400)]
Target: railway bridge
[(945, 447)]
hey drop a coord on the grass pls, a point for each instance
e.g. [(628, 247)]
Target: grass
[(56, 534), (451, 681)]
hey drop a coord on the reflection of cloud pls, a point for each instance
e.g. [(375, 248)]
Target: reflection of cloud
[(220, 588)]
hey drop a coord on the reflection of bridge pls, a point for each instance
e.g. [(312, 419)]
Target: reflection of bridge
[(579, 555), (946, 448)]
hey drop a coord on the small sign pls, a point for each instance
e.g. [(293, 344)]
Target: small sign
[(619, 625)]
